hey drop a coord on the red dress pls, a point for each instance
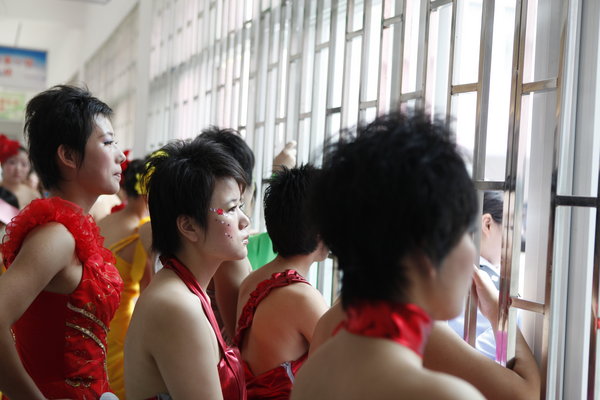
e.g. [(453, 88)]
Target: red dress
[(61, 338), (230, 370), (276, 383)]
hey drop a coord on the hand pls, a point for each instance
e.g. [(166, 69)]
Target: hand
[(286, 157), (487, 295)]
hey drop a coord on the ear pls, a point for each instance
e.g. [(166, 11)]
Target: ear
[(188, 228), (420, 264), (67, 156), (486, 224)]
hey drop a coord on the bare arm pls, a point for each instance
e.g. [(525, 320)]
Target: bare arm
[(185, 349), (310, 307), (446, 352), (327, 323), (227, 280), (286, 157), (31, 272)]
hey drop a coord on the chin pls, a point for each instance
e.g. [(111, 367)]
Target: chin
[(445, 314)]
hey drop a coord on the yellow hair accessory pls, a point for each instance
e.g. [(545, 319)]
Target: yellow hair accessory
[(142, 180)]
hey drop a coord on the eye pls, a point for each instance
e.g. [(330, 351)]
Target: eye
[(232, 209)]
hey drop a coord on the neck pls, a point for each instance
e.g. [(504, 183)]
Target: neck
[(137, 206), (299, 263), (81, 198), (12, 186), (200, 265)]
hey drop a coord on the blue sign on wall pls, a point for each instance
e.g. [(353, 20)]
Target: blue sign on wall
[(22, 68)]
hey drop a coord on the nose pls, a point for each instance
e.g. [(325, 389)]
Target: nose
[(121, 156), (244, 220)]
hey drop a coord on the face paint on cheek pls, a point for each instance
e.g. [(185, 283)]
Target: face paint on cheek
[(220, 212)]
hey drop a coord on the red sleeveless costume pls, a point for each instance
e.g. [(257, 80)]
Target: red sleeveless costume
[(61, 338), (406, 324), (276, 383), (230, 369)]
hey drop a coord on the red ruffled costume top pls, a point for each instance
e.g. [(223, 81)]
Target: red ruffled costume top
[(61, 338), (405, 324), (276, 383)]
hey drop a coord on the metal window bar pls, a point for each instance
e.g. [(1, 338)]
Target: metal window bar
[(514, 177), (451, 66), (595, 321), (396, 82), (421, 82), (317, 129), (515, 189), (334, 44), (479, 149), (364, 62)]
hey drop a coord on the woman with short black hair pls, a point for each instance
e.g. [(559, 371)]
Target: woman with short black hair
[(396, 206)]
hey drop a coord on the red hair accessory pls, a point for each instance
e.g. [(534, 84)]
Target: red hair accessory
[(124, 165), (8, 148)]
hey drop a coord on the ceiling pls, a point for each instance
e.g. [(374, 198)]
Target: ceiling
[(41, 24)]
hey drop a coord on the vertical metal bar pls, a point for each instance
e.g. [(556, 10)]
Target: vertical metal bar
[(452, 62), (424, 17), (396, 90), (552, 217), (483, 89), (481, 117), (253, 84), (291, 116), (333, 43), (591, 390), (318, 81), (364, 62), (303, 68), (514, 180), (347, 65)]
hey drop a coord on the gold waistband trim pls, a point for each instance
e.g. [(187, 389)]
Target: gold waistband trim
[(77, 382), (87, 314), (88, 333)]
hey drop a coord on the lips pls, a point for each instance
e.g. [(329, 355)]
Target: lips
[(245, 240)]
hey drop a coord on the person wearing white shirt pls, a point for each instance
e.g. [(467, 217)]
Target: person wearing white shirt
[(489, 261)]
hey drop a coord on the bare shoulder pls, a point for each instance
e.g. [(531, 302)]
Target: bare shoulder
[(300, 293), (33, 270), (51, 238), (169, 294), (439, 386)]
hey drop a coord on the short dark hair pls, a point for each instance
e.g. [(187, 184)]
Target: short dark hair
[(180, 180), (235, 145), (286, 213), (493, 204), (131, 177), (60, 115), (399, 188)]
